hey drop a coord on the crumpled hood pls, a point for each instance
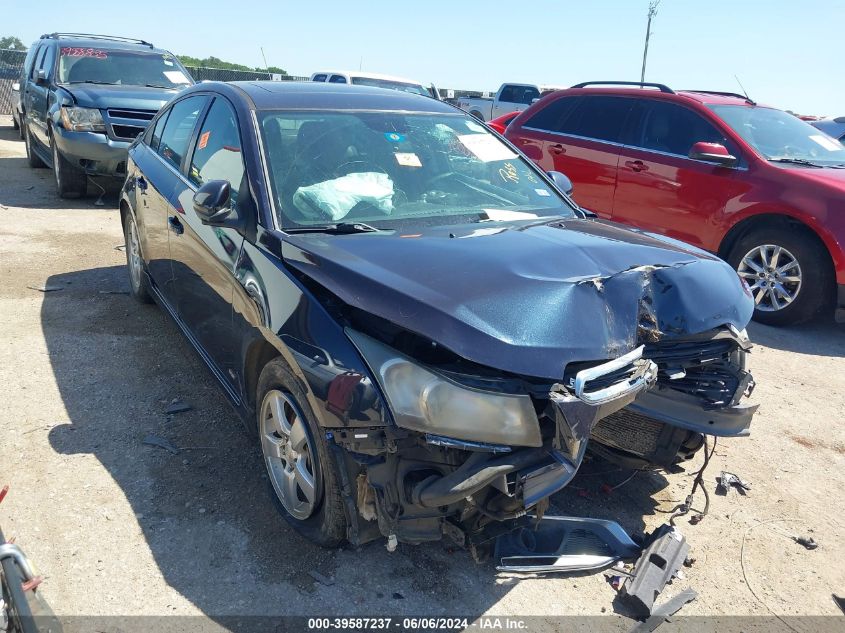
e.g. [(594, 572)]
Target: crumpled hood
[(528, 300), (131, 97)]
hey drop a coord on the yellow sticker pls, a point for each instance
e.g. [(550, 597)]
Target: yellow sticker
[(408, 159)]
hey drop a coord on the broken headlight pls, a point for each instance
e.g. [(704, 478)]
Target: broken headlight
[(424, 401)]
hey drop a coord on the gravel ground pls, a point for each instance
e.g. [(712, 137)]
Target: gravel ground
[(118, 527)]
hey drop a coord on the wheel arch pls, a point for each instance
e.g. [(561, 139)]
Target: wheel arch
[(257, 356), (771, 219)]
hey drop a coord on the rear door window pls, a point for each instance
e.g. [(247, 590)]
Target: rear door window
[(507, 94), (553, 117), (319, 78), (337, 79), (674, 129), (525, 94), (601, 118), (178, 129), (218, 150)]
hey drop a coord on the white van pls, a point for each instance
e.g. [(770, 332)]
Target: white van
[(375, 80)]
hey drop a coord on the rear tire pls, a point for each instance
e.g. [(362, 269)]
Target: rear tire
[(31, 157), (71, 182), (802, 271), (301, 443)]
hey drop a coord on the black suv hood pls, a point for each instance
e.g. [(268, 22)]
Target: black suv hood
[(529, 299), (125, 97)]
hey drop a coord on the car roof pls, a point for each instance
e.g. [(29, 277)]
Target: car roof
[(102, 42), (296, 95), (706, 97), (365, 75)]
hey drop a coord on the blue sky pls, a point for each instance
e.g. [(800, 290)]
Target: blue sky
[(787, 54)]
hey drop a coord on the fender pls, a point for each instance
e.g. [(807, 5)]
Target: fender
[(822, 229), (272, 307)]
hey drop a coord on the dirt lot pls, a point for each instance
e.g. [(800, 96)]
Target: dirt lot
[(118, 527)]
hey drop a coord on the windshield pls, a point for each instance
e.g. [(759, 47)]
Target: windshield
[(393, 85), (390, 169), (778, 135), (104, 66)]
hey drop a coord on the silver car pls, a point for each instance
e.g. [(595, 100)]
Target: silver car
[(832, 127)]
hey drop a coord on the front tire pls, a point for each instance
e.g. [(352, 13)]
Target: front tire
[(31, 157), (71, 182), (139, 286), (787, 271), (302, 473)]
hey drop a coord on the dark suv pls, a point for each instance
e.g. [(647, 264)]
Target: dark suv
[(86, 97), (756, 185)]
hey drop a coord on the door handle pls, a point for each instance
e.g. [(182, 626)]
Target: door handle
[(636, 165), (141, 183), (175, 225), (557, 148)]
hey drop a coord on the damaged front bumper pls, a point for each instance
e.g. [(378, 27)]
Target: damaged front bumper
[(648, 407)]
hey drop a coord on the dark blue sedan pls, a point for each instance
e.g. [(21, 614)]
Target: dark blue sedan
[(423, 330)]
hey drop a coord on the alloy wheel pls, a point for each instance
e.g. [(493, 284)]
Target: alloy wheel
[(133, 251), (288, 454), (773, 275)]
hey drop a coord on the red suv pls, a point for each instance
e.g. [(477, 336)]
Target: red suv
[(758, 186)]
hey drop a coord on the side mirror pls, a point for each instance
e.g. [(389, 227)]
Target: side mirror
[(16, 87), (712, 153), (41, 77), (213, 202), (561, 182)]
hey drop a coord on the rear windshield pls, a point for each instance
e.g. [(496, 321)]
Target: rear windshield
[(120, 67), (395, 169), (392, 85)]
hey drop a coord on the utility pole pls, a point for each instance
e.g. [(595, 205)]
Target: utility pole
[(266, 67), (652, 11)]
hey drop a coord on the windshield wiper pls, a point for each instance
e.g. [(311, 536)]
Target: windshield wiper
[(94, 81), (341, 228), (795, 161), (157, 86)]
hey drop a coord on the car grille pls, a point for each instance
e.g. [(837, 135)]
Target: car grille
[(704, 369), (127, 131), (128, 124)]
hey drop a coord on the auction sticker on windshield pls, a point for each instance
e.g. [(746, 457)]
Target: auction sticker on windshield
[(408, 159), (828, 143), (176, 76), (70, 51), (486, 147)]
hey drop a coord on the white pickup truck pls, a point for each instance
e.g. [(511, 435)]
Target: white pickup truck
[(509, 98)]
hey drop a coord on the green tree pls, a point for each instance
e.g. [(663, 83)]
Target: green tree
[(12, 43), (215, 62)]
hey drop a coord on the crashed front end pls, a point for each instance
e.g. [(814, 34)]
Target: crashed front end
[(472, 448)]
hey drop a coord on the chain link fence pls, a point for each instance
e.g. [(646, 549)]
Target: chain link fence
[(200, 73), (11, 63)]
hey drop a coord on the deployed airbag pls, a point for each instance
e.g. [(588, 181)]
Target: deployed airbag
[(334, 199)]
